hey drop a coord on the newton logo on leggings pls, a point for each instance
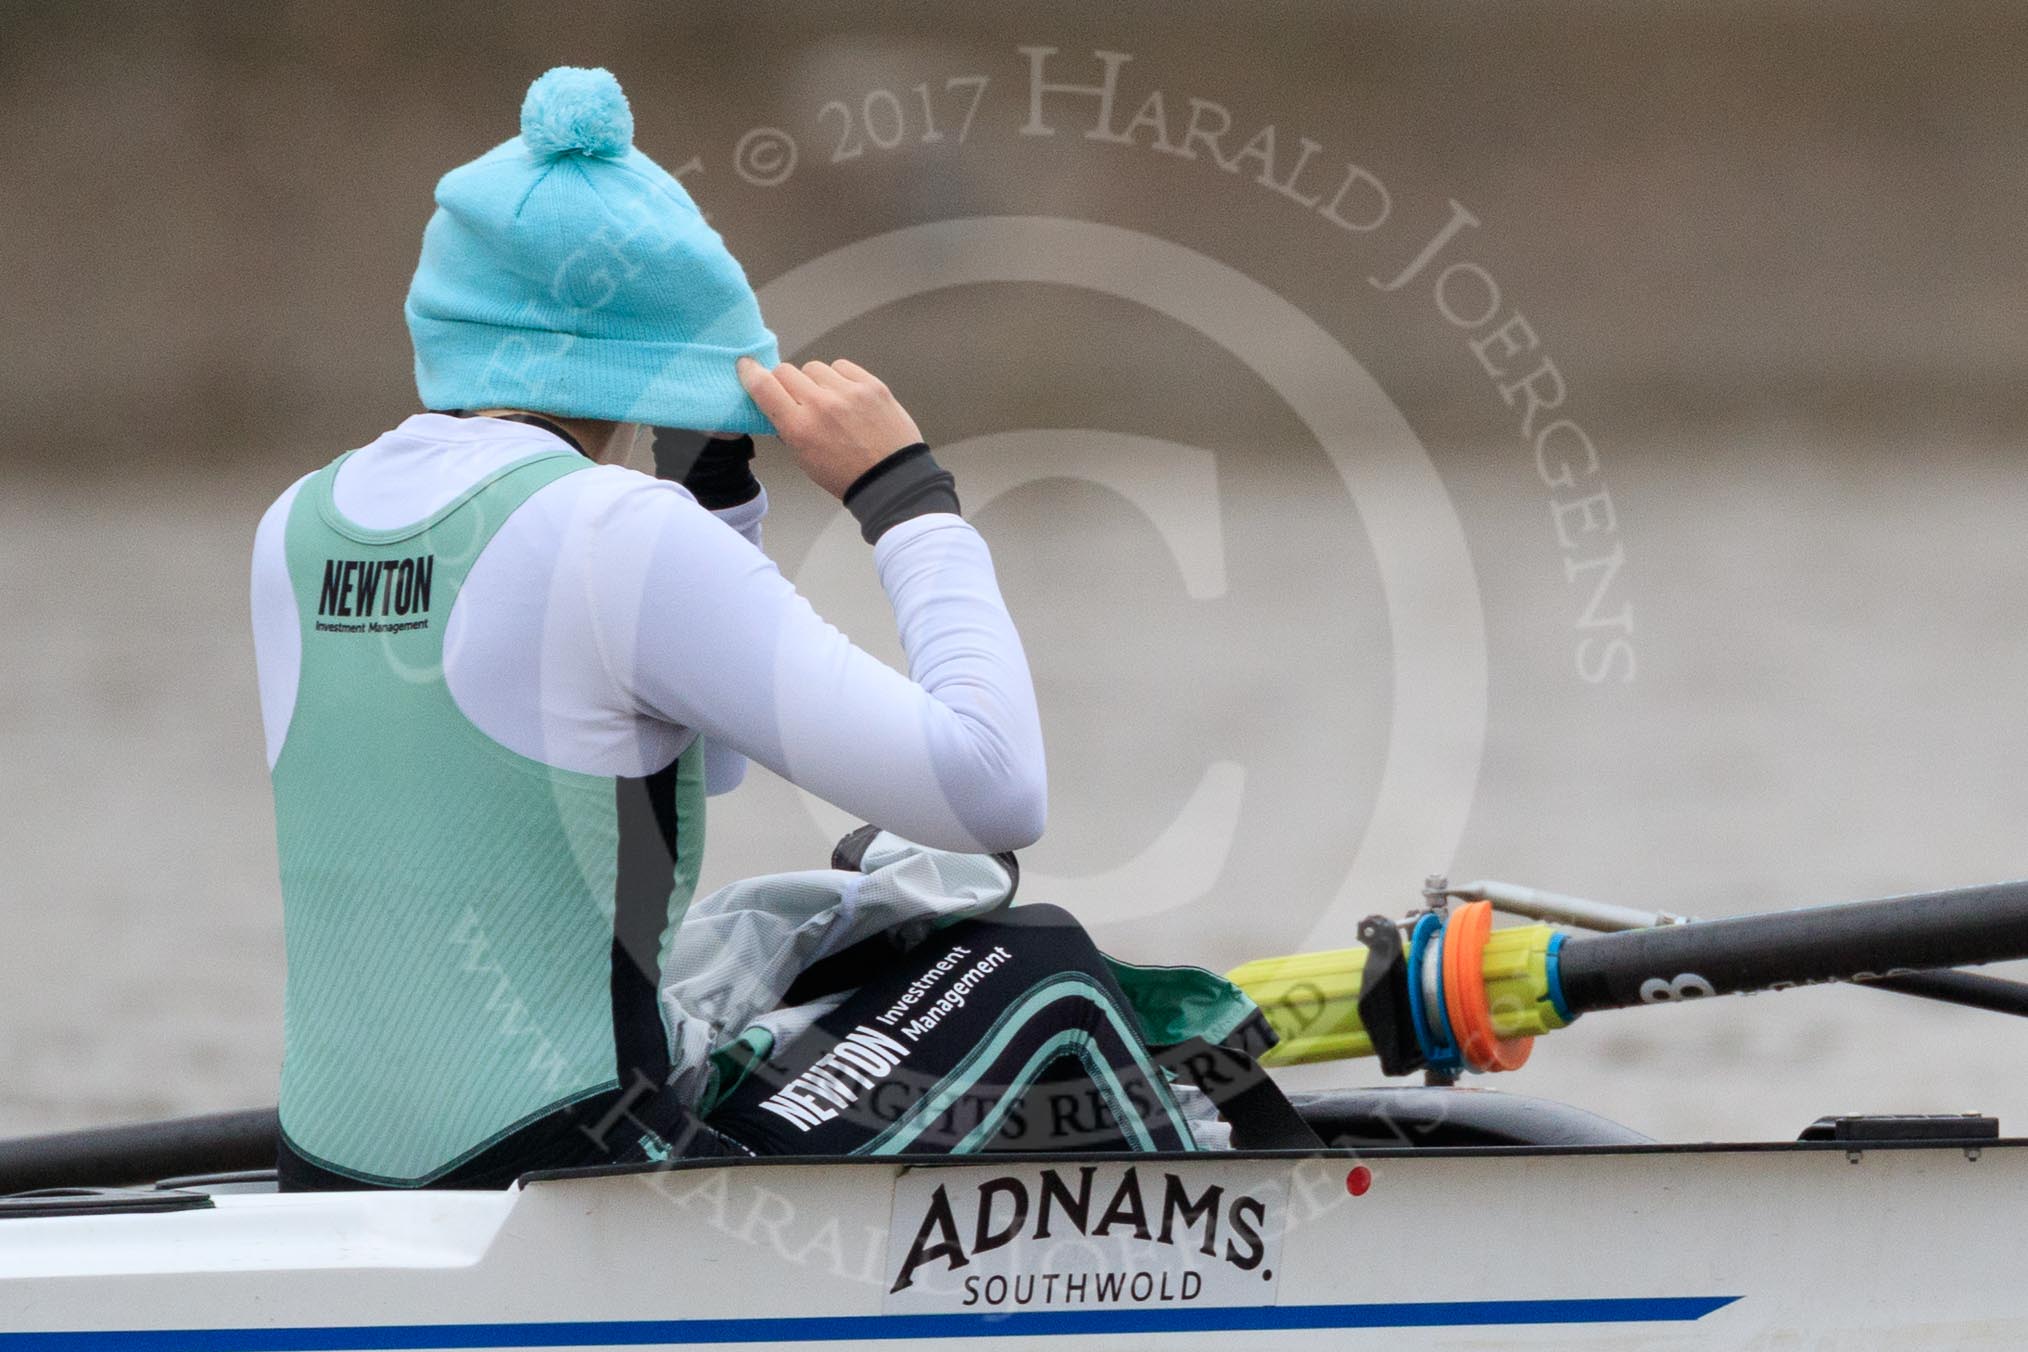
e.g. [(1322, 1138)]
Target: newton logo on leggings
[(861, 1060)]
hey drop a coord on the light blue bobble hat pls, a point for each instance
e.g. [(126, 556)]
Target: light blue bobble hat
[(565, 272)]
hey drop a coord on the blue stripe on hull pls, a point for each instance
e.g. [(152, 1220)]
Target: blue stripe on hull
[(882, 1327)]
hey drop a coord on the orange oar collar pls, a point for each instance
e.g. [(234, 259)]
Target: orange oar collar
[(1465, 1000)]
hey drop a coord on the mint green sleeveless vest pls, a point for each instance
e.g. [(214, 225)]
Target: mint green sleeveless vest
[(473, 937)]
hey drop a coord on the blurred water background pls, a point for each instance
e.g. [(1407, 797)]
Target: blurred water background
[(1773, 249)]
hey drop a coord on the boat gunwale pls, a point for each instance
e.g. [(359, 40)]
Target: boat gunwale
[(1960, 1145)]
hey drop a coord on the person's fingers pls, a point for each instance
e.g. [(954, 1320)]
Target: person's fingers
[(822, 374), (800, 387), (767, 390), (852, 370)]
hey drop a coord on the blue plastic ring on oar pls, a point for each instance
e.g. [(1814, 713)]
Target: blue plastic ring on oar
[(1553, 965), (1432, 1025)]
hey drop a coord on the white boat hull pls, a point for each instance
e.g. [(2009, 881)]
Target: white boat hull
[(1659, 1247)]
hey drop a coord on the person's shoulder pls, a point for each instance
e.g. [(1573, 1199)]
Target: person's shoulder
[(609, 505), (276, 517), (620, 481), (613, 491)]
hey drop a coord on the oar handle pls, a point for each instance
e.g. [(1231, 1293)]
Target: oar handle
[(1851, 942)]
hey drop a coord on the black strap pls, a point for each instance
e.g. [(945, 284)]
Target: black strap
[(1261, 1116)]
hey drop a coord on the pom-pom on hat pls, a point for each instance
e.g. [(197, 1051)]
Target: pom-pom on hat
[(572, 110), (565, 272)]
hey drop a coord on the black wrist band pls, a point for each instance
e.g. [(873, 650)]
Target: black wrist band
[(907, 484), (718, 473)]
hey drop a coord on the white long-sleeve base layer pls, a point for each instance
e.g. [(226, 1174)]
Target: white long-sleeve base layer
[(612, 620)]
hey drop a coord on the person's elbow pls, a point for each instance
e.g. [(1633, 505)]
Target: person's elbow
[(994, 781), (1010, 812), (1024, 818)]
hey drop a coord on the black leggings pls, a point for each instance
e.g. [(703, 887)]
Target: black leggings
[(1004, 1033)]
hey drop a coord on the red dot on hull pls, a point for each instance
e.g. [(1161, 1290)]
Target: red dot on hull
[(1359, 1180)]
